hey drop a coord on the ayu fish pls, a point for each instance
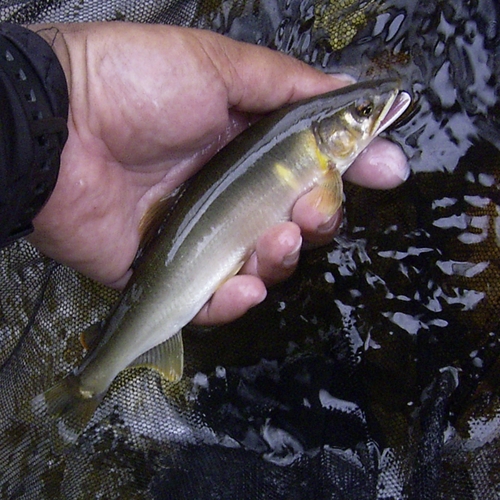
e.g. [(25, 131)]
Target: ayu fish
[(246, 188)]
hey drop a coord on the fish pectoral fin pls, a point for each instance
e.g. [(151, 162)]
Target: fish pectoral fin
[(166, 358), (329, 193)]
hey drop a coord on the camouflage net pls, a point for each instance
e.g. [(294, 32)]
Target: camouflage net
[(374, 372)]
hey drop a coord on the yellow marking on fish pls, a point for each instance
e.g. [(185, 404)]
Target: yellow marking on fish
[(311, 145), (323, 160), (286, 176)]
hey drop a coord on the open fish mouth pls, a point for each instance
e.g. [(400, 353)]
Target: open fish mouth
[(393, 110)]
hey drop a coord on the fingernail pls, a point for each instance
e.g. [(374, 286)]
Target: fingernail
[(329, 225), (250, 292), (397, 164), (345, 78), (401, 170), (290, 259)]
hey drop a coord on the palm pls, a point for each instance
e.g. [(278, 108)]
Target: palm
[(129, 144)]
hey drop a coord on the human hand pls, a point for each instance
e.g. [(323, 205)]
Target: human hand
[(149, 105)]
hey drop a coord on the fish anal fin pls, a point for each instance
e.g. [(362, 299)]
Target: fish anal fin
[(327, 197), (166, 358)]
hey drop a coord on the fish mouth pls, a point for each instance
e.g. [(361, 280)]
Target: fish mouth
[(395, 106)]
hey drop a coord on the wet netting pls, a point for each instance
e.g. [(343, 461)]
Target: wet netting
[(374, 372)]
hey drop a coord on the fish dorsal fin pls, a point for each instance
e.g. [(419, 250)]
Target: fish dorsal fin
[(167, 358), (153, 220)]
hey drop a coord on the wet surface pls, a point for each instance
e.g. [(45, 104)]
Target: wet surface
[(373, 372)]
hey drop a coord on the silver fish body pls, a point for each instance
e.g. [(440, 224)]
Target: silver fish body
[(246, 188)]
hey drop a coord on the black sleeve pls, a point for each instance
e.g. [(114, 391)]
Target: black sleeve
[(33, 127)]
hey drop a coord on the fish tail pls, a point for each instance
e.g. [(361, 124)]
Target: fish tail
[(68, 405)]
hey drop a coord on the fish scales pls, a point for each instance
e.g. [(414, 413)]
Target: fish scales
[(227, 223)]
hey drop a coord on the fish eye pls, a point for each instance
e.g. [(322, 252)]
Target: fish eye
[(364, 110)]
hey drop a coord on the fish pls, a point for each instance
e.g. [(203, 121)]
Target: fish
[(249, 186)]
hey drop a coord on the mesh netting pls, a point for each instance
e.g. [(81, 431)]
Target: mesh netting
[(374, 372)]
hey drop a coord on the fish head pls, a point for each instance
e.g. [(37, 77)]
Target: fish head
[(343, 135)]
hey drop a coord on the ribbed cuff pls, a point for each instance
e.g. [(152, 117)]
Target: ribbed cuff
[(33, 127)]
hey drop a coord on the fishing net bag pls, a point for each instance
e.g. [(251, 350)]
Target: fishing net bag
[(374, 372)]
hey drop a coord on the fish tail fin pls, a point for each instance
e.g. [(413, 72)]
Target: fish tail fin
[(68, 405)]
